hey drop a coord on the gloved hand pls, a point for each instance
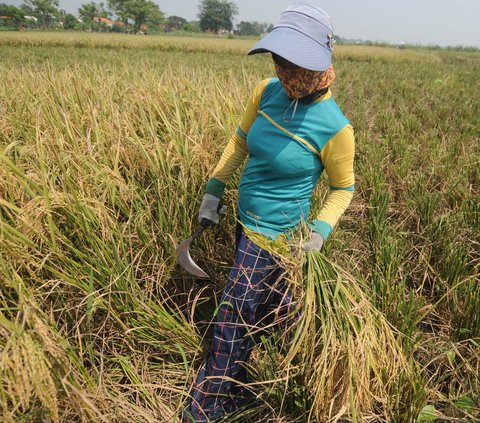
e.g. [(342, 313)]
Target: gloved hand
[(315, 242), (209, 208)]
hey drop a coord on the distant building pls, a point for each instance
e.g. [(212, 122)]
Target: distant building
[(102, 20)]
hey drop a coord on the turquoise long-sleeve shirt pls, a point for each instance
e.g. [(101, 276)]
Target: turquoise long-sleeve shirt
[(287, 152)]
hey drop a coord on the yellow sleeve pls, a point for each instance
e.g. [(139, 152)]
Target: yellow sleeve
[(252, 107), (337, 159), (236, 150)]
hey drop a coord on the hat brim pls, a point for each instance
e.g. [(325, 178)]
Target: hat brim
[(296, 48)]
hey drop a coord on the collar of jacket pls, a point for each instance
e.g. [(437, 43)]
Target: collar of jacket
[(305, 100), (313, 96)]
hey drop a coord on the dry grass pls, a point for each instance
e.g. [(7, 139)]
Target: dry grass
[(104, 154)]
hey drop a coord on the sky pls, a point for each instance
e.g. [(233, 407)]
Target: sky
[(442, 22)]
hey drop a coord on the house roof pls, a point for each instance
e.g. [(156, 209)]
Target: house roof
[(101, 19)]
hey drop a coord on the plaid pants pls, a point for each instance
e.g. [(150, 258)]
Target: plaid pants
[(256, 295)]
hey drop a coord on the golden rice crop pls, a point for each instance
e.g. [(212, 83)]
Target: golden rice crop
[(106, 143)]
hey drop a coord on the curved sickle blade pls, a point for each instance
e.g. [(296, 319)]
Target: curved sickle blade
[(186, 261)]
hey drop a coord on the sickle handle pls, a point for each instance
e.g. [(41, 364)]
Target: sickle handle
[(204, 224)]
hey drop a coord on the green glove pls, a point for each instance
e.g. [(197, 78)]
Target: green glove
[(315, 242)]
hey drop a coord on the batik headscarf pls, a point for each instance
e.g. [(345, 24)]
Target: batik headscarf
[(299, 82)]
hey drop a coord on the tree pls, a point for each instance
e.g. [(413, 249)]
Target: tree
[(46, 11), (119, 7), (91, 10), (144, 12), (140, 11), (251, 28), (217, 15), (175, 23), (11, 16), (192, 26), (70, 21)]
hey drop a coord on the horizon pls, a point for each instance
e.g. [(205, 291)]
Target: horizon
[(429, 23)]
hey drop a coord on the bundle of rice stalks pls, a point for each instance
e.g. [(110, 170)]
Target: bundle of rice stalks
[(26, 378), (343, 361)]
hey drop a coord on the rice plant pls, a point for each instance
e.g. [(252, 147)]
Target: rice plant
[(106, 143)]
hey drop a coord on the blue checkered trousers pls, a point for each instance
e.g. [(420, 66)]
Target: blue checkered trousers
[(256, 296)]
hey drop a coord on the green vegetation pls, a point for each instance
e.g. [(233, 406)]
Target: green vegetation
[(140, 11), (106, 143), (88, 11), (252, 28), (10, 16), (46, 11), (217, 15)]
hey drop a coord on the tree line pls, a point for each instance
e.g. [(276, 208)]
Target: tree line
[(214, 16), (127, 15)]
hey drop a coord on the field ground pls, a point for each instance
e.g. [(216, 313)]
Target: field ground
[(106, 143)]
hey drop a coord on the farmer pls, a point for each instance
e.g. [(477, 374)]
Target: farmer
[(291, 132)]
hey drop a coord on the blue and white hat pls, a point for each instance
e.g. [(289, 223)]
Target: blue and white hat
[(303, 36)]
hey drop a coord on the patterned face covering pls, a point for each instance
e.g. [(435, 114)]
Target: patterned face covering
[(299, 82)]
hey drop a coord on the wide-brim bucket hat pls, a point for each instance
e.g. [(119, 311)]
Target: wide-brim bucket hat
[(303, 35)]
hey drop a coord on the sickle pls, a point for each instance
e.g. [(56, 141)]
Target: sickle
[(183, 251)]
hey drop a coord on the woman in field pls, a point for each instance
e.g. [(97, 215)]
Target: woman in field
[(291, 132)]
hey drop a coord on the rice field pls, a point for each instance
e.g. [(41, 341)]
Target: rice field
[(106, 143)]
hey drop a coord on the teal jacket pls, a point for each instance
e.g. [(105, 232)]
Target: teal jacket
[(288, 147)]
